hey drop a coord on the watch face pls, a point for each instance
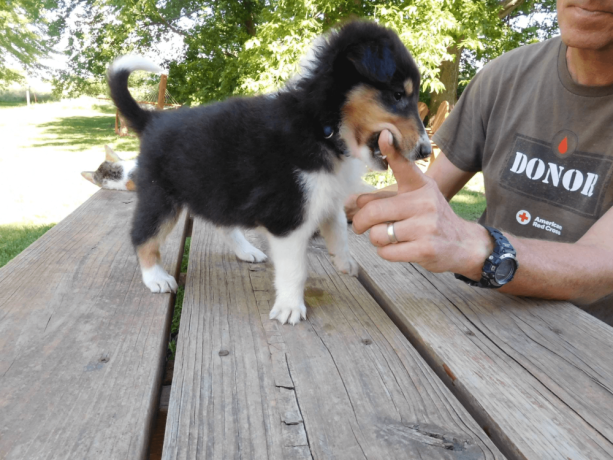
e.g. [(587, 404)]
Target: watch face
[(505, 271)]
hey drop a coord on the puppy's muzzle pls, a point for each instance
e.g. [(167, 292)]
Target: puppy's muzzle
[(423, 149)]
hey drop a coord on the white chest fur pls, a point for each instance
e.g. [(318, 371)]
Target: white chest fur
[(326, 191)]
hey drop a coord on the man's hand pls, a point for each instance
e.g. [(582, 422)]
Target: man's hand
[(428, 231)]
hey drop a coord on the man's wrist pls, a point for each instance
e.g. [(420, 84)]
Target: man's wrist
[(479, 247)]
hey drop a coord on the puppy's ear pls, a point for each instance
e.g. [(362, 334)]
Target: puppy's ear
[(111, 156), (89, 175), (375, 61)]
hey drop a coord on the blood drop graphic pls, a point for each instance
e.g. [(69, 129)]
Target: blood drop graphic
[(563, 147)]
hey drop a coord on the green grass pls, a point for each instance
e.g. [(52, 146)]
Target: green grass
[(82, 132), (14, 238), (468, 204), (49, 137), (176, 315), (11, 104)]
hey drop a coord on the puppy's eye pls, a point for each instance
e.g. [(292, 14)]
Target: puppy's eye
[(397, 96)]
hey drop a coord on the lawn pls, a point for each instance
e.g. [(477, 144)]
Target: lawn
[(45, 148)]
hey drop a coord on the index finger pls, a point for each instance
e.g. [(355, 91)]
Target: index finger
[(390, 209)]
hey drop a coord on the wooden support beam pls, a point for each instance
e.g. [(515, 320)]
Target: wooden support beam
[(162, 91)]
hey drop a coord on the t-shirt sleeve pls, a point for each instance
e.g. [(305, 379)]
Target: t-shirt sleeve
[(462, 136)]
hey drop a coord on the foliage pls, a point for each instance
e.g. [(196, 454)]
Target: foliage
[(235, 47), (531, 22), (24, 37)]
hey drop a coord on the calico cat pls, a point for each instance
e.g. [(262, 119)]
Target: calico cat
[(114, 173)]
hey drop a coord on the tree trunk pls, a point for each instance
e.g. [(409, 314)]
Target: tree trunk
[(449, 77)]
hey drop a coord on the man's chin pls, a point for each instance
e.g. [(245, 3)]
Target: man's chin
[(587, 30)]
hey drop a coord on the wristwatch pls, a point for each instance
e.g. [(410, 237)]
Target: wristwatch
[(500, 267)]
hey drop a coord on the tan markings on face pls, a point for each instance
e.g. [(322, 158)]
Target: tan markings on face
[(364, 116), (130, 185), (149, 252), (408, 87)]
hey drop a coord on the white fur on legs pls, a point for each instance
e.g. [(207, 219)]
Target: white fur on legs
[(334, 232), (289, 257), (158, 280), (243, 249)]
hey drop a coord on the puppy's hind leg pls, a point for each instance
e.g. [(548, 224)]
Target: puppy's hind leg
[(334, 232), (289, 257), (153, 221), (243, 249)]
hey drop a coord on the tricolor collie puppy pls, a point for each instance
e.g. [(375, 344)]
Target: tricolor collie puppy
[(281, 162)]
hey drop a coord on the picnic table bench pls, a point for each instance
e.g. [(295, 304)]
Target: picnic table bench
[(399, 363)]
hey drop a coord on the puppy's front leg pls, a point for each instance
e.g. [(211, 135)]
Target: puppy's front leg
[(289, 258), (334, 231)]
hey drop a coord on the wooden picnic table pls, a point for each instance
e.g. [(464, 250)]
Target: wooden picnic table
[(399, 363)]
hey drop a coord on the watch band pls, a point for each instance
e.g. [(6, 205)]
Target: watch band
[(502, 250)]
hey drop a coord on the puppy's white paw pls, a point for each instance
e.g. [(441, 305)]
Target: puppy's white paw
[(346, 264), (157, 280), (288, 311), (250, 254)]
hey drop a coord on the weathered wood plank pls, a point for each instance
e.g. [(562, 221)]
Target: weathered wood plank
[(344, 384), (82, 340), (537, 375)]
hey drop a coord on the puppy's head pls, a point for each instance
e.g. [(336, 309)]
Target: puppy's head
[(373, 84)]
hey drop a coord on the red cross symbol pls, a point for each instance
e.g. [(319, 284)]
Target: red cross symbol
[(523, 217)]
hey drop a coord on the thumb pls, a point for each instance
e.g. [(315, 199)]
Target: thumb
[(407, 174)]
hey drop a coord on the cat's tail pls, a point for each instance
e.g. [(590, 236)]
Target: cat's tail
[(117, 77)]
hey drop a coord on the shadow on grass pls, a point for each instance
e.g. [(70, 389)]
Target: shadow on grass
[(14, 238), (11, 104), (78, 133), (468, 204), (108, 109)]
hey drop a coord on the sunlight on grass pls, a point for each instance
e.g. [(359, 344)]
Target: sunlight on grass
[(14, 238), (45, 148), (380, 179), (77, 133)]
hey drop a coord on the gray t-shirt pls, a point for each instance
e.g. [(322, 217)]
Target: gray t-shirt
[(543, 142)]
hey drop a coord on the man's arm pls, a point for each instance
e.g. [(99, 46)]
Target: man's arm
[(432, 235), (449, 178), (581, 272)]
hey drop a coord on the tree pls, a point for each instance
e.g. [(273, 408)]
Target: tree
[(252, 46), (483, 31), (24, 37)]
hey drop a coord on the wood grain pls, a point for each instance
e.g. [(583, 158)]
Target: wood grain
[(82, 340), (537, 375), (344, 384)]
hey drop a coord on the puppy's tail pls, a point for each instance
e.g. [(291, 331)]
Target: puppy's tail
[(117, 77)]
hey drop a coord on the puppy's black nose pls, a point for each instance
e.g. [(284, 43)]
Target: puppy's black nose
[(425, 149)]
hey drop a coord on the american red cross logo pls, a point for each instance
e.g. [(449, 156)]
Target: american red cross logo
[(523, 217)]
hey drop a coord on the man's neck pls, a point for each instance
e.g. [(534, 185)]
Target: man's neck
[(590, 67)]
